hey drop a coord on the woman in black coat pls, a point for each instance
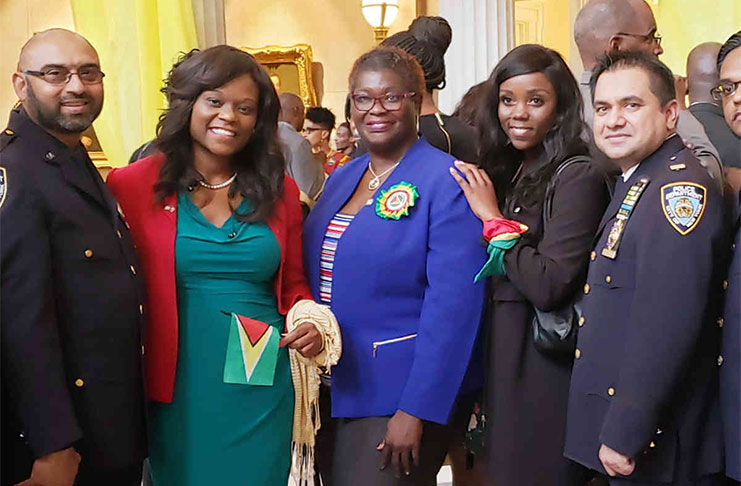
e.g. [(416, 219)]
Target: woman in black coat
[(529, 128)]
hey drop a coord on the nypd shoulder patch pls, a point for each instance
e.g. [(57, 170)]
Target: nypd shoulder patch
[(3, 185), (683, 204)]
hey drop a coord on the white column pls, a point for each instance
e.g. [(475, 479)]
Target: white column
[(482, 33), (210, 23)]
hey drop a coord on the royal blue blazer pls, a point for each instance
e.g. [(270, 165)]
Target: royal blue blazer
[(394, 279)]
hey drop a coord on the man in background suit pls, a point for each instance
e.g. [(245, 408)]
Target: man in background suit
[(702, 78), (71, 316), (604, 26)]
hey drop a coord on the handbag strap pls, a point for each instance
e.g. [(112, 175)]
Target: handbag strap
[(551, 187)]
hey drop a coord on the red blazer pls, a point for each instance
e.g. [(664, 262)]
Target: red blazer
[(154, 227)]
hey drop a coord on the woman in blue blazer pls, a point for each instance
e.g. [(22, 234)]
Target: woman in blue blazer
[(389, 247)]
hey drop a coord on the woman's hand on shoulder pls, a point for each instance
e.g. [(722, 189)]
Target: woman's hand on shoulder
[(478, 189), (305, 339)]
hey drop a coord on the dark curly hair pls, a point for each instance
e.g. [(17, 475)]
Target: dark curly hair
[(427, 40), (259, 165), (563, 140), (393, 59)]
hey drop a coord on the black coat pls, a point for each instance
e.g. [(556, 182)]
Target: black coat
[(527, 391), (645, 379), (71, 309)]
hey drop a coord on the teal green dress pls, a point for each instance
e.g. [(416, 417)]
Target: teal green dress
[(213, 432)]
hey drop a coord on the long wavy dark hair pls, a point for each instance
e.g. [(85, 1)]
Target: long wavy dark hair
[(563, 140), (259, 165)]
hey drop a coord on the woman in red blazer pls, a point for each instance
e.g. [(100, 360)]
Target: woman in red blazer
[(217, 226)]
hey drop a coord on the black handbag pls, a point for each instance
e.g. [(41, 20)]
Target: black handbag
[(554, 332)]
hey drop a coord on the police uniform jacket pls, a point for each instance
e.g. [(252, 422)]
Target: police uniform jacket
[(730, 370), (71, 306), (644, 381), (402, 290)]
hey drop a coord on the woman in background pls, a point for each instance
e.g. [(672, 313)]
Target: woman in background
[(217, 226), (529, 130), (427, 39)]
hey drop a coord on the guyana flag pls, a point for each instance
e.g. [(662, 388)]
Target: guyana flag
[(251, 352)]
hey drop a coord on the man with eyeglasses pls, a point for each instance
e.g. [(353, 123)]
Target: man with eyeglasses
[(702, 80), (318, 126), (72, 309), (728, 92), (604, 26)]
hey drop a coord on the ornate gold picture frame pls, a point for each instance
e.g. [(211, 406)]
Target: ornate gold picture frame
[(290, 69)]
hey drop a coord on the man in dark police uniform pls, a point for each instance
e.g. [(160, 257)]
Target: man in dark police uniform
[(643, 405), (72, 393), (729, 92)]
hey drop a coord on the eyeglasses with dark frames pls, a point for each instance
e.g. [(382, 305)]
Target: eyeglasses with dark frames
[(60, 75), (725, 89), (309, 130), (389, 101), (652, 37)]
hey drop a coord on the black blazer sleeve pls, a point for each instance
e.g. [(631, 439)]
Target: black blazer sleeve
[(32, 365), (550, 272)]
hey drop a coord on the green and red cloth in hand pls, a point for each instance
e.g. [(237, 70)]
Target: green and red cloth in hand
[(502, 234)]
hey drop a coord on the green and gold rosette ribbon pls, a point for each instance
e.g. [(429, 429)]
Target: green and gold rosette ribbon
[(502, 234), (395, 202)]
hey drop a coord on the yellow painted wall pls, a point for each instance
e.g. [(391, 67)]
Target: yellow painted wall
[(19, 19), (557, 27), (335, 29), (683, 24)]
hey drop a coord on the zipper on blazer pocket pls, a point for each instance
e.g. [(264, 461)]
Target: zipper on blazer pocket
[(378, 344)]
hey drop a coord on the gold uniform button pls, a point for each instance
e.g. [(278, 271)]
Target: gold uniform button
[(8, 131), (577, 353), (720, 322), (611, 391), (582, 320), (608, 278), (79, 383), (141, 309), (142, 350), (725, 284), (88, 253), (586, 288), (118, 233), (593, 256), (652, 444), (133, 270), (720, 360)]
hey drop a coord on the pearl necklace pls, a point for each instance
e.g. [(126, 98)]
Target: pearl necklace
[(218, 186), (376, 181)]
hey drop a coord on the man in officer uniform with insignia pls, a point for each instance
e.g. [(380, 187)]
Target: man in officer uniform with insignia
[(72, 314), (643, 404), (729, 93)]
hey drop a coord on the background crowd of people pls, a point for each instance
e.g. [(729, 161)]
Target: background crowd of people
[(542, 287)]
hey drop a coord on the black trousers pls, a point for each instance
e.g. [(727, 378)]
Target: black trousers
[(714, 480), (356, 461), (89, 476)]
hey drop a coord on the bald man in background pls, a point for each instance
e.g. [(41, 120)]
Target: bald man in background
[(604, 26), (702, 78), (301, 164), (72, 309)]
